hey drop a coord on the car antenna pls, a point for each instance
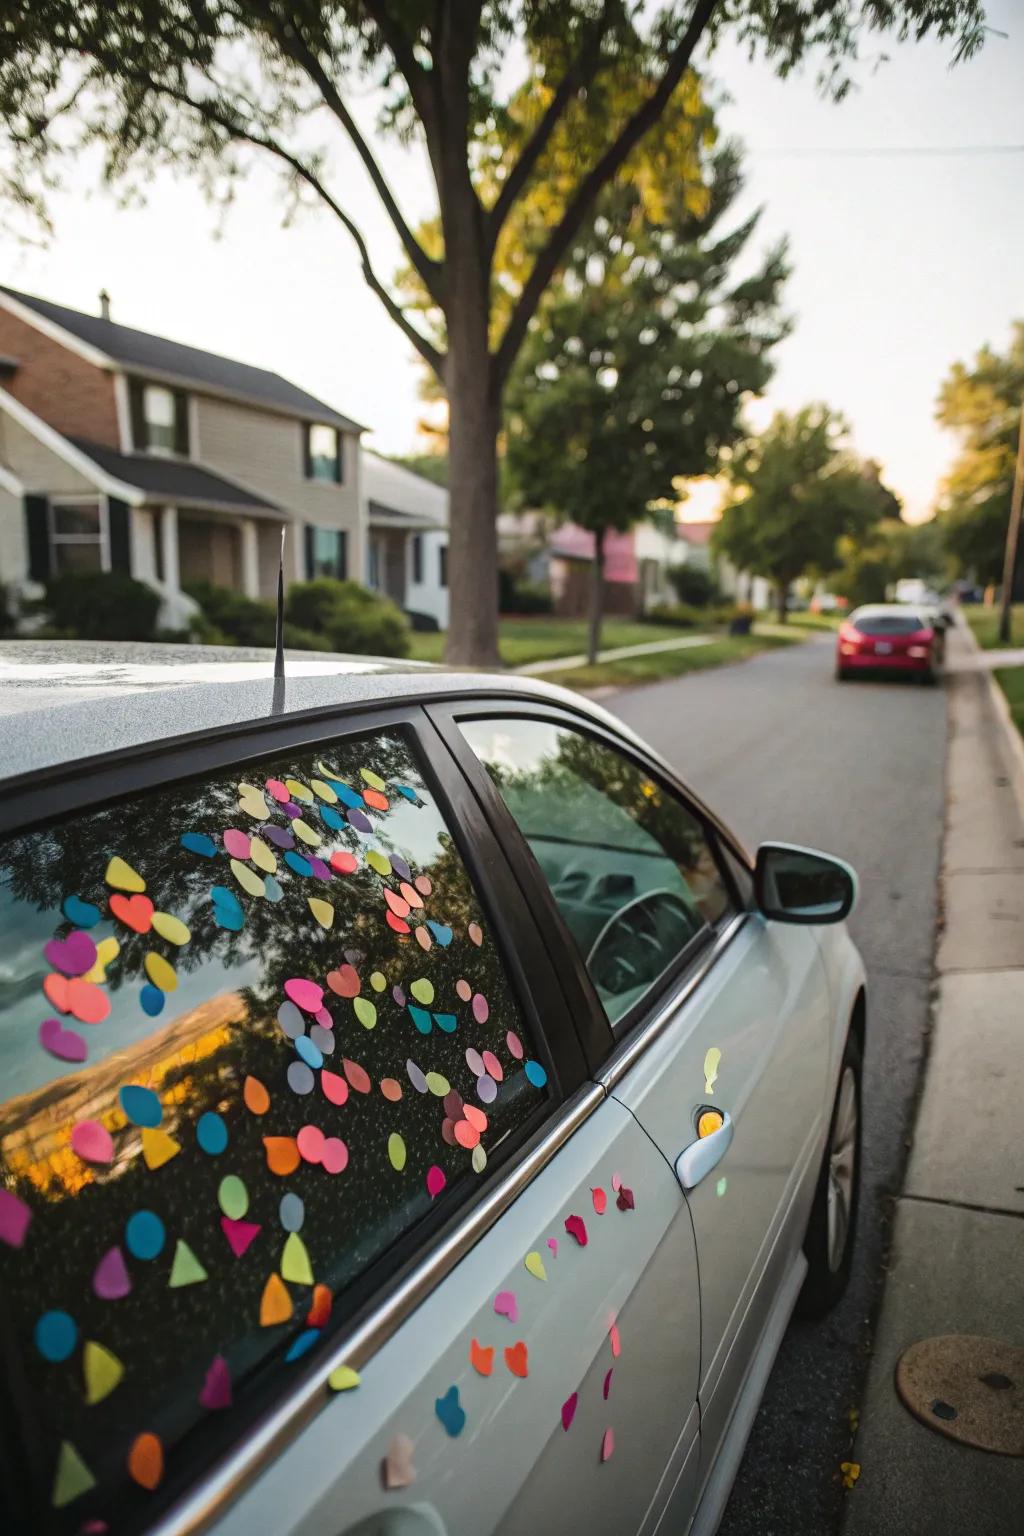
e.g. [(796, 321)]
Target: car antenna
[(279, 653)]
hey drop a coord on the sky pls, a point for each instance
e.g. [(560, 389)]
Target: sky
[(905, 226)]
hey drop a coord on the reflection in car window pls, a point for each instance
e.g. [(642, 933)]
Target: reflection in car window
[(630, 868), (253, 1029)]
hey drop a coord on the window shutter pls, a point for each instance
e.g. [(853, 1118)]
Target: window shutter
[(40, 566), (308, 533), (181, 423), (342, 571), (138, 415), (120, 538), (339, 457), (307, 457)]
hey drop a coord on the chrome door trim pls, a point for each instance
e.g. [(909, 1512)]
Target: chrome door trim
[(635, 1044), (268, 1435)]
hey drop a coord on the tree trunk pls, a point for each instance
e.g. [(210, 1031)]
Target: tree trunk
[(1012, 542), (596, 600), (473, 511), (781, 594)]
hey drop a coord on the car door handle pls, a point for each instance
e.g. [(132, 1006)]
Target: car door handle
[(698, 1159)]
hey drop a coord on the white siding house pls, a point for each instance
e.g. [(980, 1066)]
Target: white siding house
[(406, 522)]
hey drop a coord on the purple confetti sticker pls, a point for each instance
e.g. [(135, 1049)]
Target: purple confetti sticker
[(416, 1077), (281, 837), (399, 996), (14, 1219), (293, 812), (63, 1043), (359, 820), (320, 869), (475, 1062), (72, 956), (110, 1278), (400, 868), (486, 1088)]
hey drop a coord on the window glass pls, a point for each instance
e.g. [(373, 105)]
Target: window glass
[(631, 870), (442, 565), (417, 557), (77, 520), (226, 1096), (158, 406), (323, 453), (327, 554), (887, 623), (76, 536)]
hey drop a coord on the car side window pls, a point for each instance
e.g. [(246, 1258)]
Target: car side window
[(254, 1032), (631, 869)]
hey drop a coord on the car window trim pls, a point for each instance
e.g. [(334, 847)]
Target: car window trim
[(424, 1255), (598, 1038)]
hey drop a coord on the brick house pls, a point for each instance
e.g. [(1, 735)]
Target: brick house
[(123, 450)]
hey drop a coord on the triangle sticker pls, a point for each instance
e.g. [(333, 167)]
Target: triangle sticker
[(295, 1264), (73, 1477), (275, 1303), (157, 1147), (186, 1269), (102, 1371)]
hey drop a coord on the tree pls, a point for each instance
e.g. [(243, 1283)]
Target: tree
[(796, 492), (981, 403), (893, 549), (635, 372), (204, 84)]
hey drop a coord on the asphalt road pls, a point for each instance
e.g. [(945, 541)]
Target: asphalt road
[(780, 750)]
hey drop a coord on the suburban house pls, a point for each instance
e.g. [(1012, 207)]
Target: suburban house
[(120, 450), (637, 568)]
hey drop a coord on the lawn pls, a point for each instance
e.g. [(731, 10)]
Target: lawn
[(814, 620), (634, 670), (1011, 681), (985, 624), (524, 640)]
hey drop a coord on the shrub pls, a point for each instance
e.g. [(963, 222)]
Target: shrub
[(694, 585), (525, 597), (100, 605), (349, 617), (678, 615), (229, 618)]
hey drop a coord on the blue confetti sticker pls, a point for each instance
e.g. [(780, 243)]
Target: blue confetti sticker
[(152, 1000), (303, 1344), (199, 842), (421, 1018), (56, 1335), (271, 889), (227, 909), (446, 1021), (212, 1133), (81, 913), (296, 862), (535, 1074), (330, 817), (308, 1051), (140, 1105), (144, 1235), (442, 933), (410, 794)]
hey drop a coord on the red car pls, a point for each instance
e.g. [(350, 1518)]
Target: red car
[(889, 638)]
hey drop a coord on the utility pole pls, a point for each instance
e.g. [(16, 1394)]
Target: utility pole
[(1012, 539)]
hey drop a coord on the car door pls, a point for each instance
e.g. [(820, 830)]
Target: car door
[(291, 1089), (729, 1016)]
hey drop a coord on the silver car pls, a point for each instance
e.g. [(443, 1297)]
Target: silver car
[(419, 1113)]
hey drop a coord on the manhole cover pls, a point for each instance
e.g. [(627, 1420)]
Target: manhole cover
[(967, 1387)]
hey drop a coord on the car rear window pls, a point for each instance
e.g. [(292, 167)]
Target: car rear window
[(888, 623), (254, 1030)]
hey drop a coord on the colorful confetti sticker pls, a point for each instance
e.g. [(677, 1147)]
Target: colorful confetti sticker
[(122, 877), (186, 1268), (291, 1021), (160, 972), (476, 934), (711, 1064), (423, 938), (227, 909), (171, 928), (275, 1303), (411, 894), (72, 956), (343, 1379), (600, 1200), (517, 1359), (252, 802), (344, 863), (476, 1117), (569, 1410), (302, 1344), (216, 1389), (311, 1054), (240, 1234), (233, 1197), (395, 903), (365, 1012), (255, 1096), (481, 1010), (72, 1477), (295, 1265), (608, 1445), (322, 911), (309, 835), (291, 1212), (335, 1155), (101, 1371), (262, 857), (397, 1469), (107, 951), (438, 1084), (236, 843), (535, 1074), (421, 1018), (514, 1044), (416, 1077), (310, 1142), (300, 1077), (334, 1087), (305, 994), (299, 791), (442, 933), (357, 1076), (625, 1199), (436, 1181), (82, 999), (615, 1340), (378, 861), (407, 792), (373, 779), (422, 990), (391, 1089), (252, 883), (82, 914), (535, 1265), (577, 1228), (607, 1383), (424, 885), (466, 1135), (140, 1105), (447, 1023), (152, 1000), (212, 1133), (144, 1235), (493, 1066), (198, 842), (378, 981), (396, 1151), (507, 1305), (319, 1314), (282, 1155), (134, 912), (272, 889), (110, 1278), (345, 981), (478, 1160), (297, 864), (15, 1218), (451, 1412), (157, 1147), (92, 1142), (481, 1358), (279, 791), (56, 1334), (146, 1461), (65, 1044)]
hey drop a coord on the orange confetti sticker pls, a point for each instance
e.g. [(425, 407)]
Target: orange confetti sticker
[(375, 800), (391, 1089), (320, 1312), (411, 895), (476, 1117), (82, 999), (282, 1154), (275, 1303), (146, 1461), (257, 1099), (481, 1358), (466, 1135), (517, 1359), (358, 1077)]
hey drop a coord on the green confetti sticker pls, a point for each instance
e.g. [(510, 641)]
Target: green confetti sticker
[(721, 1186), (233, 1197), (378, 861), (396, 1151), (378, 981), (422, 990), (438, 1085), (364, 1011), (343, 1378)]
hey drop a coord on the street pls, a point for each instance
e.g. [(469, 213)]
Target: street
[(779, 750)]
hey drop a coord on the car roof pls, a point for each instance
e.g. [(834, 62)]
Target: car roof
[(897, 610), (65, 701)]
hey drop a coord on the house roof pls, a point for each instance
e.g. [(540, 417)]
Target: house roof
[(395, 517), (175, 480), (156, 357), (697, 533)]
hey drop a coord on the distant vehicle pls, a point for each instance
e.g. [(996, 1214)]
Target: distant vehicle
[(890, 638), (828, 602)]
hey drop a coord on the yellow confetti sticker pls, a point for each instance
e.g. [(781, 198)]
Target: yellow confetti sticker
[(171, 928), (364, 1011), (373, 779), (309, 835), (298, 791), (248, 879), (323, 791), (850, 1471), (253, 802), (160, 972), (378, 861), (262, 857), (396, 1151), (72, 1478), (101, 1370), (322, 911), (438, 1084), (711, 1061), (157, 1147), (422, 990), (535, 1265), (378, 981), (478, 1158), (122, 877), (343, 1378), (107, 950), (295, 1265)]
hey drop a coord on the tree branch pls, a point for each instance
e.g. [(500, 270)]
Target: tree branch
[(598, 177), (579, 74)]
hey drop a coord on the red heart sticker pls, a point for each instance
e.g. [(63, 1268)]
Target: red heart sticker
[(136, 912), (517, 1360)]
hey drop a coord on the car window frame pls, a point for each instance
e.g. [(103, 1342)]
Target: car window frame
[(600, 1040), (394, 1284)]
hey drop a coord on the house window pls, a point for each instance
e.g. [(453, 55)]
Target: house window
[(417, 557), (442, 565), (323, 453), (77, 537), (373, 565), (159, 418), (326, 552)]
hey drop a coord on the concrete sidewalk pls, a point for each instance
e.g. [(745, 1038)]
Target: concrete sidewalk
[(957, 1262)]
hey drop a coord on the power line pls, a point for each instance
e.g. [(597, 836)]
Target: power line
[(888, 151)]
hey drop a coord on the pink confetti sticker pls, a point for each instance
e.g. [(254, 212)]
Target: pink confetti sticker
[(240, 1234), (608, 1383), (92, 1142), (343, 863), (493, 1066), (65, 1044), (216, 1391), (15, 1217), (616, 1182), (466, 1135), (423, 885), (464, 990), (600, 1200), (334, 1158), (514, 1044), (481, 1011), (476, 934), (324, 1018), (608, 1445), (73, 956), (423, 938), (625, 1199), (310, 1142), (236, 843), (110, 1278), (506, 1305), (436, 1180), (552, 1243), (615, 1340), (281, 794), (305, 994), (569, 1410), (577, 1228), (475, 1062), (334, 1087)]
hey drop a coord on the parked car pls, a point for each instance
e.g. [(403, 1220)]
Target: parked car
[(891, 640), (419, 1111)]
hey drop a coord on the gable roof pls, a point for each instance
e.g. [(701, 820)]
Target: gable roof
[(180, 481), (138, 352)]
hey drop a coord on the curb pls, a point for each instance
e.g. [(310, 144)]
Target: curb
[(1014, 740)]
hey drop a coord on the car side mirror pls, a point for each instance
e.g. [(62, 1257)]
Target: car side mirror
[(797, 885)]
